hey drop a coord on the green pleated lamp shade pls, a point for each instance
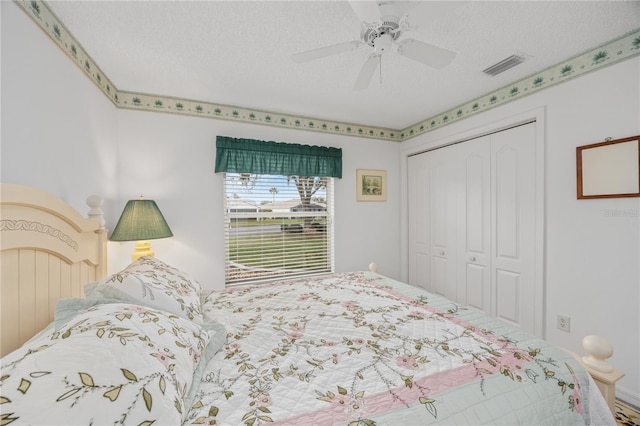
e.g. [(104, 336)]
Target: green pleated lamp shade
[(141, 220)]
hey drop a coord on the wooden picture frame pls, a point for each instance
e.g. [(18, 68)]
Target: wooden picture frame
[(371, 185), (609, 169)]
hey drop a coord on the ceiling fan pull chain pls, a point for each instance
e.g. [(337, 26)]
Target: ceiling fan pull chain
[(380, 68)]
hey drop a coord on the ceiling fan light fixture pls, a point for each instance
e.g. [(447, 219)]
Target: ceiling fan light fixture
[(505, 64), (382, 43)]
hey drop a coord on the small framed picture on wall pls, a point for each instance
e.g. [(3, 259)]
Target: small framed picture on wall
[(609, 169), (371, 185)]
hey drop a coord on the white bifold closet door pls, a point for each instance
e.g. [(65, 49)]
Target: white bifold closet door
[(472, 223)]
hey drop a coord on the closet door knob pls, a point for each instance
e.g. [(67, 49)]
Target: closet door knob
[(441, 252), (472, 258)]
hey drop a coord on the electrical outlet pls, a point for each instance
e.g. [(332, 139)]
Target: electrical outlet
[(564, 323)]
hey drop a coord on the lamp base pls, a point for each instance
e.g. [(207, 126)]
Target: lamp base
[(143, 248)]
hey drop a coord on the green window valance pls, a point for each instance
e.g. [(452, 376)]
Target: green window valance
[(276, 158)]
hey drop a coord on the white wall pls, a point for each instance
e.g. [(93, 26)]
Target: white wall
[(60, 134), (592, 256), (58, 129), (171, 159)]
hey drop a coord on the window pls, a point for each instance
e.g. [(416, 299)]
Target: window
[(278, 208), (277, 226)]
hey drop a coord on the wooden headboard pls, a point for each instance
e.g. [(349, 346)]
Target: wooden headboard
[(48, 252)]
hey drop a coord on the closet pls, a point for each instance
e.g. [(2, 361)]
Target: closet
[(472, 224)]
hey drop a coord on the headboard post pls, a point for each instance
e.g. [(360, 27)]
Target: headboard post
[(95, 203), (101, 267)]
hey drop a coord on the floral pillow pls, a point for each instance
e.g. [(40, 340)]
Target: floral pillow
[(151, 282), (111, 363)]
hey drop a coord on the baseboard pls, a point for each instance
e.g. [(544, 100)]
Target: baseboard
[(627, 396)]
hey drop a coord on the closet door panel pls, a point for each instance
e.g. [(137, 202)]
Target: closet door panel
[(441, 278), (443, 206), (418, 199), (513, 225), (443, 200), (477, 287), (506, 202), (474, 224), (508, 289), (476, 190)]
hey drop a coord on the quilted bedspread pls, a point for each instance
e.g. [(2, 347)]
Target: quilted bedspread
[(348, 349), (110, 364), (361, 349)]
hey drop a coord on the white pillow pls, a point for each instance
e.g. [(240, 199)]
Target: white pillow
[(111, 363), (151, 282)]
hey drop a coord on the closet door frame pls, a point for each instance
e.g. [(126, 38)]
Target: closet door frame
[(538, 117)]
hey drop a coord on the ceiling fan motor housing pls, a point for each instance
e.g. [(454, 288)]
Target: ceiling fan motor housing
[(389, 27)]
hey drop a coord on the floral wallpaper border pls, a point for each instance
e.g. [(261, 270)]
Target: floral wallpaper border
[(623, 48)]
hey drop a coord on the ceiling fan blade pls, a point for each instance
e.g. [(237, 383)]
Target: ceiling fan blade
[(367, 11), (322, 52), (428, 54), (366, 73)]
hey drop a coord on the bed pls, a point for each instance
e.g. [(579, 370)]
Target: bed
[(147, 345), (49, 251)]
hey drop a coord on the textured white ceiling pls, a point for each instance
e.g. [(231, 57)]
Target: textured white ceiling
[(239, 52)]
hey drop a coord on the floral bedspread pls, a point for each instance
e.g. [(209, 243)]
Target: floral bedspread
[(358, 348), (111, 363)]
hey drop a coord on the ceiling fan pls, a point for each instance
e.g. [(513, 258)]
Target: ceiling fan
[(383, 24)]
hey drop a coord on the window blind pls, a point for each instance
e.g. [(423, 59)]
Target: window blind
[(277, 226)]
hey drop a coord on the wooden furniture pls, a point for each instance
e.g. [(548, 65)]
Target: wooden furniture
[(607, 384), (598, 350), (48, 252)]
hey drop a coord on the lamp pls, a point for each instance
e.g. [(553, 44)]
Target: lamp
[(141, 220)]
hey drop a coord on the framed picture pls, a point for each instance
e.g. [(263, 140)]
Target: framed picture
[(371, 185), (609, 169)]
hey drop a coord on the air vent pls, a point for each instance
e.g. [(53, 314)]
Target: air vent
[(504, 65)]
